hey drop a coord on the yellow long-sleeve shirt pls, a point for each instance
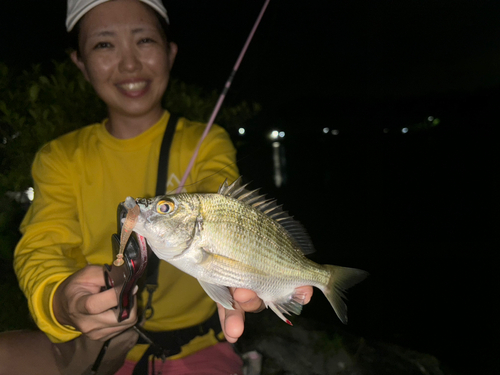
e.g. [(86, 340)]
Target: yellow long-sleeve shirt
[(80, 178)]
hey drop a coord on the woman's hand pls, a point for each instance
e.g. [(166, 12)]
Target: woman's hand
[(80, 303), (233, 321)]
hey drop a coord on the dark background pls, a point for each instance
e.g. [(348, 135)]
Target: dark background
[(418, 210)]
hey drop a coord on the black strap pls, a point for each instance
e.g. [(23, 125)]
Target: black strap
[(161, 183), (166, 143)]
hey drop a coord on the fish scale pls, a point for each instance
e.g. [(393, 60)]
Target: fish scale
[(263, 229), (237, 238)]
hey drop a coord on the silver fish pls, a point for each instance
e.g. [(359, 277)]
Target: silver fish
[(237, 238)]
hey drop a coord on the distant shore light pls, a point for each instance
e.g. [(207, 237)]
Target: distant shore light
[(241, 131), (30, 193), (326, 130), (335, 132), (404, 130)]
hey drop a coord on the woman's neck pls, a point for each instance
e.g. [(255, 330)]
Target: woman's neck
[(126, 126)]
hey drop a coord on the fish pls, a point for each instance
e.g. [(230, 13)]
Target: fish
[(238, 238)]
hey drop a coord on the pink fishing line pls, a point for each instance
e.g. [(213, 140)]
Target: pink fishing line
[(222, 97)]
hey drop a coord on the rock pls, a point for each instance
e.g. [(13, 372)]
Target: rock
[(308, 348)]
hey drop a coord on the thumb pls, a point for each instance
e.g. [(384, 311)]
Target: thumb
[(92, 304), (232, 322)]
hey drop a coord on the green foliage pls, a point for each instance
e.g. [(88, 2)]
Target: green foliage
[(14, 314), (36, 108), (11, 214)]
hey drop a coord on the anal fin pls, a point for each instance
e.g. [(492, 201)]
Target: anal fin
[(290, 304), (278, 311)]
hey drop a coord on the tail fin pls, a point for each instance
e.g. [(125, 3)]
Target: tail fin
[(341, 279)]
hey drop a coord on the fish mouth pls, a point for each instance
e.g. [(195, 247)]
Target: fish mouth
[(144, 202), (145, 205)]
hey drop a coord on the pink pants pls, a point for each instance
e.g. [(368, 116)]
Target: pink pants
[(219, 359)]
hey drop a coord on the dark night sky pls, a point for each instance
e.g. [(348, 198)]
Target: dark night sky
[(321, 47), (425, 206)]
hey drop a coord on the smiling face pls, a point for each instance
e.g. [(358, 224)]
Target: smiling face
[(124, 54)]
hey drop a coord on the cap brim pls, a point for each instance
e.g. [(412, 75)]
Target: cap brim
[(76, 10)]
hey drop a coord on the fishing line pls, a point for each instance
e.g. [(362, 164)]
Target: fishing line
[(222, 96)]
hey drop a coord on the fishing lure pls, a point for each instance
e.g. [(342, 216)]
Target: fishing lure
[(133, 212)]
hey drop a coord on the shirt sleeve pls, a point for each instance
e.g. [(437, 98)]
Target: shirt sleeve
[(48, 251)]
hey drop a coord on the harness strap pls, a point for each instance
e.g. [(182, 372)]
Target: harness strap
[(169, 343), (161, 183)]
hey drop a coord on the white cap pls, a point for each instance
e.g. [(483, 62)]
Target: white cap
[(78, 8)]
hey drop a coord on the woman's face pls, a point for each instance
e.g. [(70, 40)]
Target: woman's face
[(125, 56)]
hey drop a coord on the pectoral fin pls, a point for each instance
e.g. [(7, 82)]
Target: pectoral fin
[(218, 293)]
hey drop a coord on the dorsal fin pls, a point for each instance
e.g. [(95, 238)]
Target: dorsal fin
[(269, 207)]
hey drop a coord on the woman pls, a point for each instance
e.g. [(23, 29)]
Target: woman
[(80, 178)]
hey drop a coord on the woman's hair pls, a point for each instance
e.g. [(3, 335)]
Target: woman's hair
[(74, 34)]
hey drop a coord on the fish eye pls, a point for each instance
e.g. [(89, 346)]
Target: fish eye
[(164, 207)]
